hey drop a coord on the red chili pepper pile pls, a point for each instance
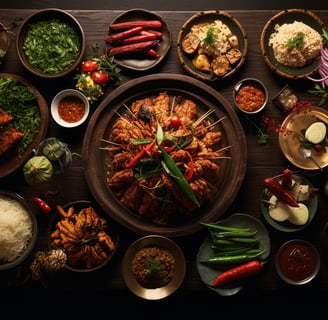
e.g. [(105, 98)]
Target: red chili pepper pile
[(134, 36)]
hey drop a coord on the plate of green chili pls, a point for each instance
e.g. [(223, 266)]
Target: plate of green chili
[(251, 242)]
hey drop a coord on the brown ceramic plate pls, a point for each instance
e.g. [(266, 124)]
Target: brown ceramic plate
[(289, 141), (289, 16), (156, 293), (111, 231), (10, 161), (139, 61), (208, 17), (96, 160)]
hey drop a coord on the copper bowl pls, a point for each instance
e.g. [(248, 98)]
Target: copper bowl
[(47, 15)]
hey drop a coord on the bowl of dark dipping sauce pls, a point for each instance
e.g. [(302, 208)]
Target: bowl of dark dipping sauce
[(250, 95), (297, 262), (70, 108)]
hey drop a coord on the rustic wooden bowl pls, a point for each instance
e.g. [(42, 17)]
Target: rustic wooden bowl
[(11, 161), (112, 231), (233, 170), (207, 17), (47, 15), (289, 16)]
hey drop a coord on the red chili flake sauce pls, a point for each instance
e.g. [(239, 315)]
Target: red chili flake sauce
[(71, 109), (297, 262), (250, 98)]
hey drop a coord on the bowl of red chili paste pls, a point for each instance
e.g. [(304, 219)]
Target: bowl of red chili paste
[(250, 95), (297, 262), (70, 108)]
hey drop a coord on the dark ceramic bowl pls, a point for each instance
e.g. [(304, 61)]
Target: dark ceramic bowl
[(289, 16), (12, 196), (297, 262), (110, 230), (47, 15)]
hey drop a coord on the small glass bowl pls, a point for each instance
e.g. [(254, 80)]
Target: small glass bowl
[(256, 90)]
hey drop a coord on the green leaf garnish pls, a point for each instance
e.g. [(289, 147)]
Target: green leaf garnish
[(296, 40), (210, 37), (153, 265)]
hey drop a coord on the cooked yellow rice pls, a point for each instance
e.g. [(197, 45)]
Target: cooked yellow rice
[(301, 54)]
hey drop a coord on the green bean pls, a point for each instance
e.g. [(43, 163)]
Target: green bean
[(239, 258), (244, 240), (228, 234), (218, 227), (231, 251)]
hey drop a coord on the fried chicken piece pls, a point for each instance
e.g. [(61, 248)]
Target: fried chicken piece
[(4, 117), (9, 138)]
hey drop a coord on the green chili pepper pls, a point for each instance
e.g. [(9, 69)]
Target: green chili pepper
[(174, 169), (234, 259), (231, 234), (218, 227)]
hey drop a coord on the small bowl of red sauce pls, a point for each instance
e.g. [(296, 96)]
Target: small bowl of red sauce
[(70, 108), (297, 262), (250, 95)]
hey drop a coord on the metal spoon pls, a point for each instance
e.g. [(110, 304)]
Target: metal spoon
[(307, 153)]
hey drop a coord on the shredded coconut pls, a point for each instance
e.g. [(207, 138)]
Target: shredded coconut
[(15, 228), (298, 55)]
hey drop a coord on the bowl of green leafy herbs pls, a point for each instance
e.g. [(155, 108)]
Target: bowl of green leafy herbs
[(50, 43)]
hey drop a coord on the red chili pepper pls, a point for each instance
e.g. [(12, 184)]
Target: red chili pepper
[(282, 194), (152, 53), (131, 48), (151, 24), (191, 167), (136, 38), (113, 38), (240, 272), (42, 205), (135, 159), (287, 179), (169, 149)]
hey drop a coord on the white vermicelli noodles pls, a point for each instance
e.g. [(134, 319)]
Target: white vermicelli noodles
[(15, 228)]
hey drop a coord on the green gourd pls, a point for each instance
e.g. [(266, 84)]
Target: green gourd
[(53, 149), (37, 169)]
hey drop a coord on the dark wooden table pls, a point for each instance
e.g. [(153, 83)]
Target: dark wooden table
[(262, 161)]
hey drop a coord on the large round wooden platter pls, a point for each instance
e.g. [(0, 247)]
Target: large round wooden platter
[(11, 161), (232, 170)]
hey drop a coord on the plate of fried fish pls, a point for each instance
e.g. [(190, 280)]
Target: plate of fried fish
[(212, 45), (24, 118)]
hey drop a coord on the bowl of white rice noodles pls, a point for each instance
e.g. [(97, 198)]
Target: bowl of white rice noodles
[(18, 230), (291, 43)]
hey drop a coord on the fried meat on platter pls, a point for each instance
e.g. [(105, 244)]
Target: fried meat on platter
[(136, 171), (8, 139)]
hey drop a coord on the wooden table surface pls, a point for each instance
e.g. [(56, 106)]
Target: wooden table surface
[(262, 161)]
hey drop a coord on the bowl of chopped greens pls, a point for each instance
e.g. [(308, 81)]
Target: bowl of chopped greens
[(58, 57)]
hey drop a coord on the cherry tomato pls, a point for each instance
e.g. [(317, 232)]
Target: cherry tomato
[(42, 205), (100, 76), (89, 66), (175, 121)]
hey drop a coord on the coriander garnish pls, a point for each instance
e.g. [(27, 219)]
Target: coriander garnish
[(293, 42), (210, 37)]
